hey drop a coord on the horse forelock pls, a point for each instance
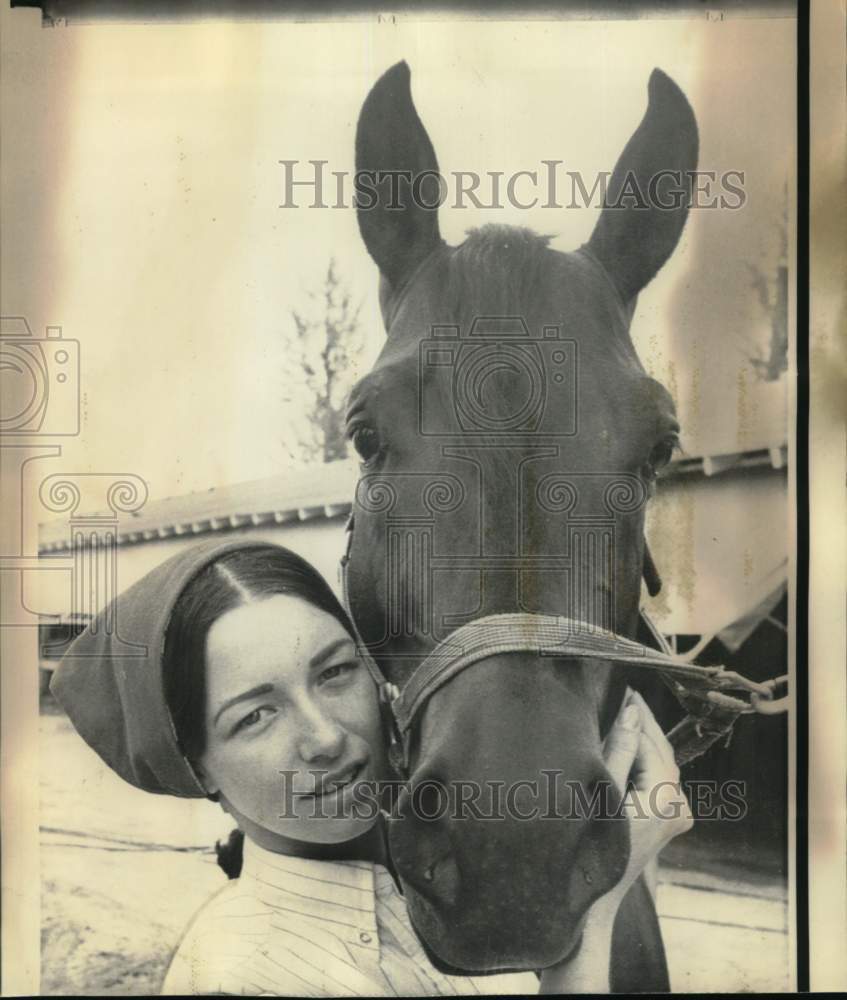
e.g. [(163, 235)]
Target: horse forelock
[(498, 270)]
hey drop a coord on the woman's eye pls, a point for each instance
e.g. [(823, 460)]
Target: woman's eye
[(337, 670), (366, 442), (253, 718)]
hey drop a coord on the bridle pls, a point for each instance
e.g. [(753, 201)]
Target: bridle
[(701, 691)]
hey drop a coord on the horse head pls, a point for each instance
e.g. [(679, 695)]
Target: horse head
[(509, 439)]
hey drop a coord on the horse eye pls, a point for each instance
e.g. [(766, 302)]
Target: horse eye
[(366, 442), (661, 455)]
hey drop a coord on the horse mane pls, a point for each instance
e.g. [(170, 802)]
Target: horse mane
[(497, 270)]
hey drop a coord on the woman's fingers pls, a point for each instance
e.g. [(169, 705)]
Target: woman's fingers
[(636, 743), (670, 806), (650, 765), (622, 742), (656, 806), (660, 792), (654, 731)]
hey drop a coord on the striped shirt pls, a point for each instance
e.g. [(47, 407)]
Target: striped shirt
[(297, 927)]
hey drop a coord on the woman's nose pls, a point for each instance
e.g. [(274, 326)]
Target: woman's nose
[(322, 739)]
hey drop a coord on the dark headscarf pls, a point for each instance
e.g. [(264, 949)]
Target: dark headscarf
[(115, 694)]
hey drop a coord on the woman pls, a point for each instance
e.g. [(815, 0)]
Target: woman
[(252, 694)]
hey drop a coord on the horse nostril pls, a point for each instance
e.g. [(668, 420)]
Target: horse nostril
[(442, 878), (601, 856), (423, 857)]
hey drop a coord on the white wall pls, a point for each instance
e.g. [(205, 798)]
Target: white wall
[(720, 545)]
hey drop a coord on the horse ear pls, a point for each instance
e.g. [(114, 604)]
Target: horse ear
[(396, 177), (635, 234)]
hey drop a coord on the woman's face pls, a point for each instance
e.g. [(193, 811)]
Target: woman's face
[(292, 722)]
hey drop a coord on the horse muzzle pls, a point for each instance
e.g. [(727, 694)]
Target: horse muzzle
[(498, 863)]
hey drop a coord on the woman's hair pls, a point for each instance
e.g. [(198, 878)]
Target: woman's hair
[(230, 855), (235, 579)]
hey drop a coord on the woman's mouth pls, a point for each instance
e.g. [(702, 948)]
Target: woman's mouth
[(331, 784)]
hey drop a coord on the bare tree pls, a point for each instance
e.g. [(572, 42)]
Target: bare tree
[(318, 368)]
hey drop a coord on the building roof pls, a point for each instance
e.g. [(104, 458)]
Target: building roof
[(310, 492)]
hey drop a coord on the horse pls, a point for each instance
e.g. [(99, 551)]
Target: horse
[(509, 440)]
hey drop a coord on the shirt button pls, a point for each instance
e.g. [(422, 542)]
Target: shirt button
[(365, 938)]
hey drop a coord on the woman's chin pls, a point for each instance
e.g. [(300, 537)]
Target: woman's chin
[(340, 815), (333, 830)]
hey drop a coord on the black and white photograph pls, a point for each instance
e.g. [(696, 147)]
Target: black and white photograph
[(405, 502)]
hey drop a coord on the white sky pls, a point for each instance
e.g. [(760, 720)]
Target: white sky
[(141, 203)]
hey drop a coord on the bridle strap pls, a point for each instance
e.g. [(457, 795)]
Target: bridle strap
[(387, 691), (552, 636), (702, 691)]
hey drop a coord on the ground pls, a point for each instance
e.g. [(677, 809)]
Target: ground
[(123, 871)]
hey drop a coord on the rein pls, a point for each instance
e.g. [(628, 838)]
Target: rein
[(701, 691)]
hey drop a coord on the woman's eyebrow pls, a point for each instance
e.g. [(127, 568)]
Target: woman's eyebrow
[(327, 651), (244, 696)]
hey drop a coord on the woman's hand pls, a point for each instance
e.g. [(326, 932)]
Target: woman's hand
[(639, 757), (642, 765)]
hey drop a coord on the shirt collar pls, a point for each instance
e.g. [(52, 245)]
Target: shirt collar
[(339, 892)]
